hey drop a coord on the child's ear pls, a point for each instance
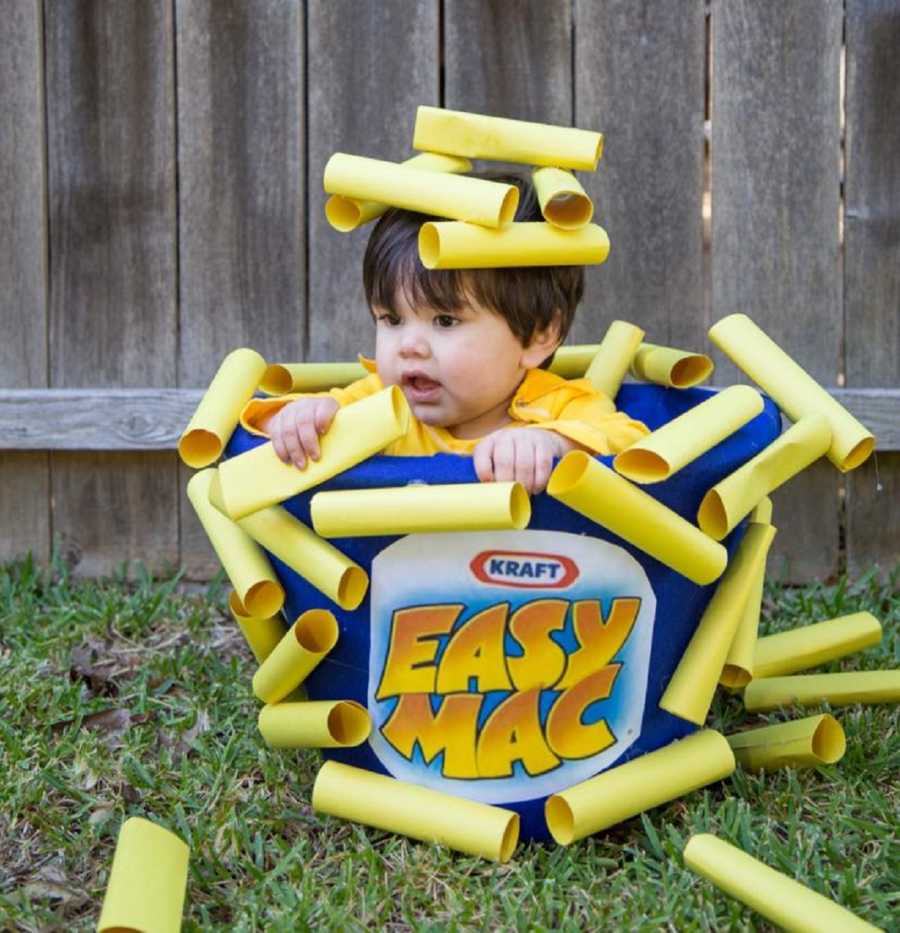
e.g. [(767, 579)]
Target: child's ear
[(542, 344)]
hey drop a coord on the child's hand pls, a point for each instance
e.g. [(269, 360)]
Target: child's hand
[(521, 454), (295, 429)]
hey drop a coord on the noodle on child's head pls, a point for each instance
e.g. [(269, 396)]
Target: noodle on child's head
[(528, 298)]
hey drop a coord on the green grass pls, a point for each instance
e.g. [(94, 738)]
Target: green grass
[(184, 751)]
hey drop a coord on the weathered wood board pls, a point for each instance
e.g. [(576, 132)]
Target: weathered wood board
[(775, 199), (24, 477), (872, 263), (242, 225), (111, 172)]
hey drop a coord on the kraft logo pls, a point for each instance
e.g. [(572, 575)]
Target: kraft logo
[(524, 569)]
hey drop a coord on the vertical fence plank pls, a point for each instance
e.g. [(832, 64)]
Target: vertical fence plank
[(527, 75), (370, 66), (639, 73), (872, 262), (241, 197), (112, 263), (24, 477), (775, 201)]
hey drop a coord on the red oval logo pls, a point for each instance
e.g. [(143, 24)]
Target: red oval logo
[(524, 569)]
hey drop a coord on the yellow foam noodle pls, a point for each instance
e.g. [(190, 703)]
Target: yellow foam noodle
[(593, 490), (641, 784), (320, 563), (402, 510), (281, 378), (795, 392), (346, 214), (147, 880), (812, 645), (461, 197), (782, 900), (762, 511), (449, 245), (246, 565), (419, 812), (304, 645), (258, 478), (611, 362), (571, 362), (811, 689), (730, 500), (690, 691), (477, 136), (667, 366), (800, 743), (319, 724), (740, 660), (679, 442), (219, 410), (261, 635), (564, 203)]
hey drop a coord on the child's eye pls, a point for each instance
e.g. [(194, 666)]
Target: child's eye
[(445, 320), (391, 320)]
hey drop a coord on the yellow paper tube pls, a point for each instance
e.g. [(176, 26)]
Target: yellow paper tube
[(801, 743), (740, 660), (762, 511), (665, 451), (571, 362), (564, 203), (730, 500), (475, 200), (811, 689), (308, 640), (320, 724), (419, 812), (795, 392), (666, 366), (403, 510), (781, 899), (496, 138), (323, 565), (346, 214), (219, 410), (261, 635), (812, 645), (690, 691), (608, 367), (147, 880), (258, 478), (448, 245), (595, 491), (281, 378), (247, 567), (639, 785)]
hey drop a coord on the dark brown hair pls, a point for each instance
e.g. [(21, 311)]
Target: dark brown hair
[(526, 297)]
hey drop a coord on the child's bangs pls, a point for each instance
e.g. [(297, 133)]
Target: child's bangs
[(403, 274)]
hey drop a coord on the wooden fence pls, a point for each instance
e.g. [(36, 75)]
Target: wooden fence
[(161, 198)]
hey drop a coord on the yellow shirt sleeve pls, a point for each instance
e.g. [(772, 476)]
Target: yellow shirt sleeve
[(575, 409), (259, 409)]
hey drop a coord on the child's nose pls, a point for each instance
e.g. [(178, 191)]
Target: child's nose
[(414, 343)]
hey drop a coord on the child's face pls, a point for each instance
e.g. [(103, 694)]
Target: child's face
[(458, 370)]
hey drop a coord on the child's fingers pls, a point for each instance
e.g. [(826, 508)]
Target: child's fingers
[(295, 447), (525, 457), (504, 458), (277, 436), (481, 459), (309, 439), (543, 467), (324, 416)]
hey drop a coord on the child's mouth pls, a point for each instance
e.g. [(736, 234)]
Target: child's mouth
[(420, 388)]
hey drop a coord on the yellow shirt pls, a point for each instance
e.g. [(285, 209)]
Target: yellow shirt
[(573, 408)]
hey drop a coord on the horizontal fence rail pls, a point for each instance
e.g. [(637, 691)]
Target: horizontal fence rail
[(153, 419)]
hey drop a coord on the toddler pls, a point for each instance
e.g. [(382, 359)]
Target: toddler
[(469, 348)]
